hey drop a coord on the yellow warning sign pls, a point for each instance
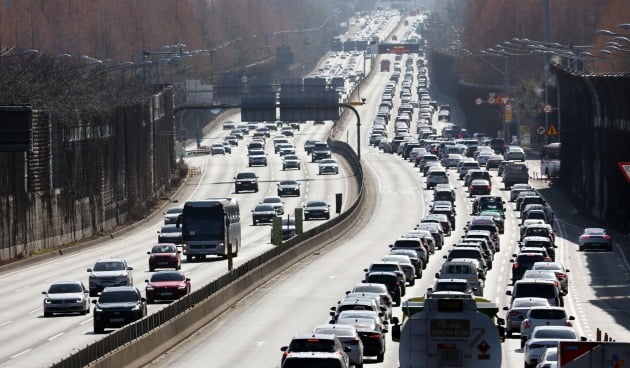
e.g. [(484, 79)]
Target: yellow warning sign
[(551, 130)]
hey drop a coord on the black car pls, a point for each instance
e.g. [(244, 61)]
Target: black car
[(246, 181), (524, 262), (118, 306), (308, 145), (316, 209), (320, 151), (288, 187), (170, 234), (390, 280), (498, 145), (263, 213)]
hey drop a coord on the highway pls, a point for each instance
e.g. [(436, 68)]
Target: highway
[(251, 333)]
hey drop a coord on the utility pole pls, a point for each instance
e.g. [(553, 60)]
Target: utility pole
[(546, 56)]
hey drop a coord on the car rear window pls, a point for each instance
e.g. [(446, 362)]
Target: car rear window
[(529, 259), (535, 290), (311, 363), (548, 314), (382, 279), (314, 344), (464, 253)]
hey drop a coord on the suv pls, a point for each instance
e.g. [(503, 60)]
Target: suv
[(543, 316), (109, 272), (117, 307), (498, 145), (319, 151), (476, 174), (246, 181), (436, 176), (537, 288), (390, 280), (515, 173), (315, 345), (523, 262)]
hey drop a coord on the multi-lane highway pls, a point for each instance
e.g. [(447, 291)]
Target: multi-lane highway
[(251, 333)]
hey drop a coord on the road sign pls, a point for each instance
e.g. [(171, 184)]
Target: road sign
[(505, 100), (552, 130), (508, 116), (541, 130), (508, 107), (547, 108), (625, 169), (491, 100), (478, 101)]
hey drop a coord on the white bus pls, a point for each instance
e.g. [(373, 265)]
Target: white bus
[(209, 226)]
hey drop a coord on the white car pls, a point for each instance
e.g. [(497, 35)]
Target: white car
[(514, 153), (544, 337), (349, 338), (543, 316), (66, 297), (328, 166), (558, 269), (435, 176)]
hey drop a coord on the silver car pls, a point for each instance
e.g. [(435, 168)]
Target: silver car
[(172, 214), (349, 338), (558, 269), (328, 166), (66, 297), (109, 272), (595, 238)]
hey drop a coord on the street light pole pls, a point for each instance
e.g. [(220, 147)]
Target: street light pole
[(546, 56)]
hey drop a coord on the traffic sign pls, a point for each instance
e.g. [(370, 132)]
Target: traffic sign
[(541, 130), (505, 100), (547, 108), (551, 130), (625, 169), (491, 100), (508, 107), (478, 101)]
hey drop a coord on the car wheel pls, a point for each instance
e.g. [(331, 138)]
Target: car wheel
[(380, 357), (359, 365), (508, 333), (150, 301), (580, 249), (412, 282), (179, 267), (93, 293), (189, 258), (523, 340), (151, 269), (47, 314), (298, 193)]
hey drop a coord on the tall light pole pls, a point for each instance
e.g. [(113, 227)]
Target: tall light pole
[(546, 56)]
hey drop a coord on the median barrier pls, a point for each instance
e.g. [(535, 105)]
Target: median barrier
[(139, 343)]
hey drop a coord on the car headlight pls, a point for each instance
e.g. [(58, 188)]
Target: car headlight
[(47, 301), (174, 255), (239, 182), (97, 309), (149, 287), (182, 286), (136, 307), (79, 300)]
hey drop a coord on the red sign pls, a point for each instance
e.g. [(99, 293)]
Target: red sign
[(625, 169), (483, 346)]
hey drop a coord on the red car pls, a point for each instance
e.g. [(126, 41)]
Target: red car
[(164, 255), (167, 285)]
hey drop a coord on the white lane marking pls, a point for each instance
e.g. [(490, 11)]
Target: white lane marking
[(623, 256), (260, 343), (86, 321), (20, 354), (34, 311), (22, 288), (5, 323), (56, 336)]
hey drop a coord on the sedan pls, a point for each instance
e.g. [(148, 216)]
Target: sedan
[(288, 187), (170, 234), (544, 337), (257, 158), (518, 310), (316, 209), (66, 297), (276, 202), (263, 212), (479, 186), (328, 166), (164, 256), (167, 285), (172, 214), (558, 269), (290, 162), (595, 238)]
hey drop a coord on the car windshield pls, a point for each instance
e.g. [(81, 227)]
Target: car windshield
[(547, 266), (164, 249), (384, 267), (170, 229), (464, 253), (167, 276), (288, 182), (594, 231), (291, 157), (536, 290), (272, 200), (530, 302), (316, 204), (554, 334), (109, 266), (314, 344), (246, 176), (65, 288), (451, 286), (328, 161), (175, 210), (264, 208), (123, 296)]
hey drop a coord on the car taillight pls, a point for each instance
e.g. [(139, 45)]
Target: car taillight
[(569, 324), (584, 236), (560, 275), (515, 265), (489, 187), (354, 342), (375, 336), (514, 313), (526, 324), (607, 237)]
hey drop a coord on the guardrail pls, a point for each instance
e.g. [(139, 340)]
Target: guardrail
[(138, 343)]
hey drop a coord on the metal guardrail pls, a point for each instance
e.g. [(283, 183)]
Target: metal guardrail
[(132, 332)]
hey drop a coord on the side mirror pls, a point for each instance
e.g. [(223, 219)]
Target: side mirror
[(567, 270), (89, 270), (94, 301), (445, 257), (333, 309), (571, 318), (45, 293), (130, 268), (583, 338), (332, 314), (347, 349), (348, 292), (365, 270), (509, 292), (437, 275), (146, 280), (506, 308), (284, 348), (188, 279), (179, 252), (148, 252)]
